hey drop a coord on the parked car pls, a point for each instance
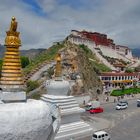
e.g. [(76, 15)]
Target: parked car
[(88, 107), (121, 106), (92, 104), (124, 101), (138, 103), (96, 110), (101, 135)]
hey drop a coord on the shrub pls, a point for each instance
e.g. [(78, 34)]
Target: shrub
[(24, 61), (119, 92), (128, 70), (31, 85)]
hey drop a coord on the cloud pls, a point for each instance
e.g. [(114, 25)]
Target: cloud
[(55, 18)]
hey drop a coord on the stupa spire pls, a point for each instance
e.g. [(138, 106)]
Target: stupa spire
[(58, 69), (11, 76)]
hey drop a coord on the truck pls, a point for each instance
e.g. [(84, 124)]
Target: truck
[(92, 104)]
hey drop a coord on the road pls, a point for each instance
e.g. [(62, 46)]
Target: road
[(116, 116), (128, 129), (122, 122)]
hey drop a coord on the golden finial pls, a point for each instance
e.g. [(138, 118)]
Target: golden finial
[(58, 68), (12, 37), (13, 26), (58, 57), (13, 18)]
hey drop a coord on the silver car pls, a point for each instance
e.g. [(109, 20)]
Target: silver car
[(121, 106)]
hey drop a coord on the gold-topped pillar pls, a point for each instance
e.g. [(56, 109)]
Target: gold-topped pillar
[(11, 75), (58, 69)]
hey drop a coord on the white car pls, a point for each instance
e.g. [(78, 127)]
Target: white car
[(121, 106), (101, 135)]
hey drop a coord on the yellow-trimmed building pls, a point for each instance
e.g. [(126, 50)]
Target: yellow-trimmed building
[(113, 80)]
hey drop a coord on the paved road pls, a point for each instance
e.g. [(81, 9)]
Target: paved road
[(129, 129), (112, 115), (116, 116), (119, 120)]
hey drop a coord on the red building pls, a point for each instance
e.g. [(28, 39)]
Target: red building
[(98, 38)]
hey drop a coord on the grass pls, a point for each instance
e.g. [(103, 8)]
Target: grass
[(49, 55), (120, 92), (98, 67)]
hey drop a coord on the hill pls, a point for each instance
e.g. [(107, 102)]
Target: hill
[(77, 61)]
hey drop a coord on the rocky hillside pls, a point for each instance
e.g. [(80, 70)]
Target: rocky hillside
[(77, 61), (79, 64)]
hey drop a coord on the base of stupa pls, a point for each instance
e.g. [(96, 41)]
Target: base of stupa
[(7, 97), (31, 120), (71, 125)]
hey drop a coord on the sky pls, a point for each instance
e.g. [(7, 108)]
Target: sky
[(42, 22)]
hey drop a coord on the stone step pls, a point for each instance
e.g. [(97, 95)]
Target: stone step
[(73, 110), (67, 103), (63, 105), (68, 106), (58, 101), (68, 126), (73, 130), (55, 100), (59, 97)]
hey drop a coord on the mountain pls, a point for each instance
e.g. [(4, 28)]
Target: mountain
[(136, 52), (31, 53)]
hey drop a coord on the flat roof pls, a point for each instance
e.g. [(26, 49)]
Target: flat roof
[(118, 74), (100, 132)]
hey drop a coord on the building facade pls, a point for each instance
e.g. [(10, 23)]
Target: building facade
[(101, 41), (112, 80)]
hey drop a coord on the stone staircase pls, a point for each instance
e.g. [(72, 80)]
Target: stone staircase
[(71, 124), (73, 130), (67, 104)]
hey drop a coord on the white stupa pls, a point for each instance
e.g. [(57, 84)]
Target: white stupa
[(20, 119), (71, 126), (27, 120)]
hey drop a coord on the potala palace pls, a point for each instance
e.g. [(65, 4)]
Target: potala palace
[(104, 47)]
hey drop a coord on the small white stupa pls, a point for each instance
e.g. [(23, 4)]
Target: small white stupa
[(20, 119), (71, 126)]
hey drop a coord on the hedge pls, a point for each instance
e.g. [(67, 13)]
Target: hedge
[(120, 92)]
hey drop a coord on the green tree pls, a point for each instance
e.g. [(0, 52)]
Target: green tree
[(24, 61), (128, 70)]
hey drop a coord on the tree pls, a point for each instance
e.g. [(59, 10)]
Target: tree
[(24, 61), (128, 70)]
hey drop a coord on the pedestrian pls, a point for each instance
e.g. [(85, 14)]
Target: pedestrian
[(118, 98), (84, 102), (114, 100), (106, 99)]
